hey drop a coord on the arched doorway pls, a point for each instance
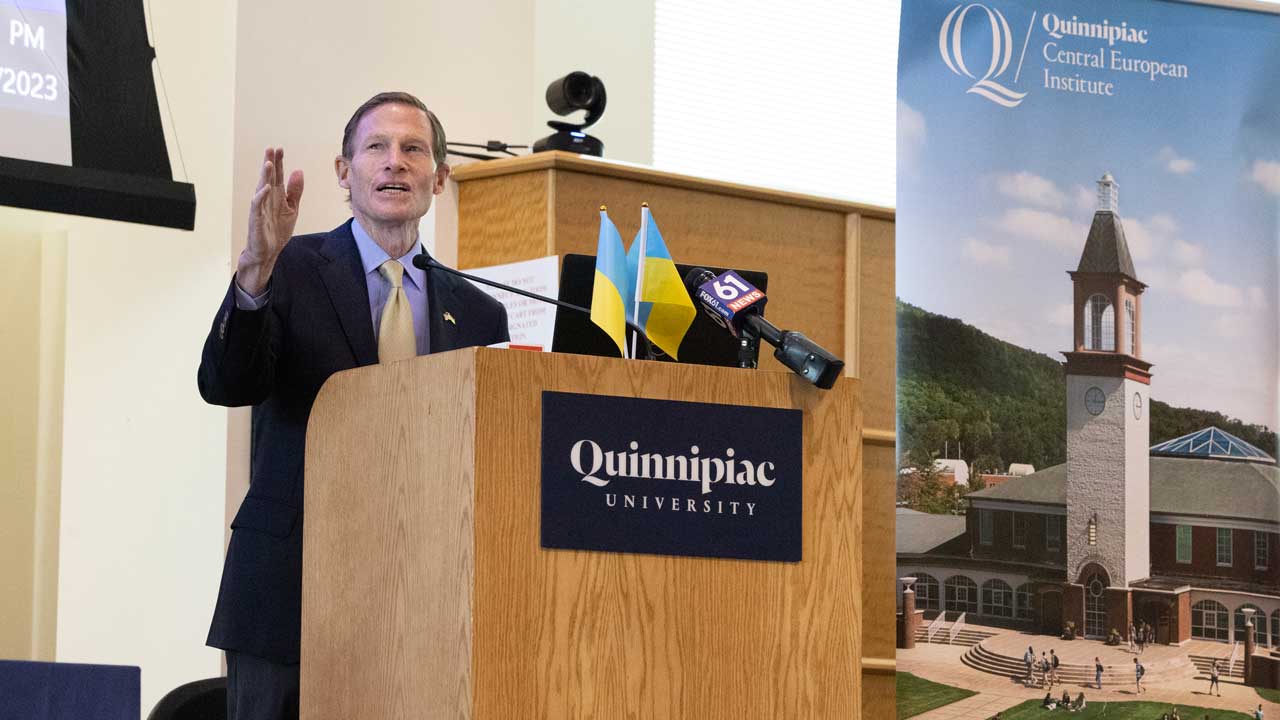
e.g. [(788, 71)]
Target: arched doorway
[(1095, 580)]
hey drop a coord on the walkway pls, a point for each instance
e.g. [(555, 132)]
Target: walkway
[(1174, 681)]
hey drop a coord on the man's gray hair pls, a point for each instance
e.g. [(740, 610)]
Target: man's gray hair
[(438, 151)]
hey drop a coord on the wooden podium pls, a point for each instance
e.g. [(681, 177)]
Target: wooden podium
[(427, 594), (831, 276)]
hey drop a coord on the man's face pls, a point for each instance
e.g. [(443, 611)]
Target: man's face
[(391, 173)]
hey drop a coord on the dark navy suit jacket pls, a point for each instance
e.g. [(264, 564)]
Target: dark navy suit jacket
[(276, 358)]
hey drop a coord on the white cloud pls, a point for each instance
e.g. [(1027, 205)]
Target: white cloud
[(1155, 276), (1267, 174), (1148, 238), (1031, 189), (1188, 253), (1048, 228), (1198, 287), (1086, 200), (1175, 163), (1062, 315), (912, 134), (1257, 298), (1232, 326), (986, 253)]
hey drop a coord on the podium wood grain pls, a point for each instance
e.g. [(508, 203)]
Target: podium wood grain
[(427, 593)]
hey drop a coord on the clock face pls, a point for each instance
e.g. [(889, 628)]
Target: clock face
[(1095, 401), (1137, 406)]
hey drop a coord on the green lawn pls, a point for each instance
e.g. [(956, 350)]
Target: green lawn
[(917, 695), (1269, 694), (1137, 710)]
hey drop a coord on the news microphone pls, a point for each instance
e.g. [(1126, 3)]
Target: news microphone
[(425, 262), (737, 306)]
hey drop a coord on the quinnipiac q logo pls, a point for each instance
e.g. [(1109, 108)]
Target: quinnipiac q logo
[(949, 45)]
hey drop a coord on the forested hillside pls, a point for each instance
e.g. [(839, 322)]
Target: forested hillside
[(994, 403)]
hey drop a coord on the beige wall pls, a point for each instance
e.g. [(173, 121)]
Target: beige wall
[(20, 335)]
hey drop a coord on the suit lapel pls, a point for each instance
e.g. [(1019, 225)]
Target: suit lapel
[(441, 302), (343, 278)]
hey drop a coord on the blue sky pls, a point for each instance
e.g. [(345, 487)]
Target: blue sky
[(994, 202)]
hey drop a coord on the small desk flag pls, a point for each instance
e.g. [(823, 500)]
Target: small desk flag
[(663, 308), (611, 286)]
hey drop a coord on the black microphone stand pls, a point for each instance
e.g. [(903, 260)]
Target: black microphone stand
[(425, 262)]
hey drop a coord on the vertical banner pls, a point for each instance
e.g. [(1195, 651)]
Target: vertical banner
[(1088, 244)]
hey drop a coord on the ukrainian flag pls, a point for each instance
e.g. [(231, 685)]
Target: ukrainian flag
[(608, 307), (665, 311)]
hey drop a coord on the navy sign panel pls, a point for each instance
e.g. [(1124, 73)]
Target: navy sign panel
[(671, 478)]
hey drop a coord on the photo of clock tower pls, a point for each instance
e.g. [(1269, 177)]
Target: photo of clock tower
[(1108, 487)]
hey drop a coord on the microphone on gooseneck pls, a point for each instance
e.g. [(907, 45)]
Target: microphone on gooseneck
[(738, 306), (425, 262)]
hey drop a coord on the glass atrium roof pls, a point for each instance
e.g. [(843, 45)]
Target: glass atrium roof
[(1211, 443)]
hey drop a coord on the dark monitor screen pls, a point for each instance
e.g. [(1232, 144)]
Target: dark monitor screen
[(706, 343)]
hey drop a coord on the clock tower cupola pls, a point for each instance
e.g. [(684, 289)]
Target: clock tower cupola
[(1108, 428)]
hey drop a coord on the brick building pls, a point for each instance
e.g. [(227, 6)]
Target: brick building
[(1184, 535)]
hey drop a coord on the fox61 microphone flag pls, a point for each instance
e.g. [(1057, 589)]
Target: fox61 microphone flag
[(611, 286), (664, 311)]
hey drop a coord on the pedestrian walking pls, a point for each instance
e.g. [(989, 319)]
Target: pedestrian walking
[(1132, 639), (1044, 671), (1138, 672), (1030, 659), (1053, 667), (1213, 679), (1257, 714), (1097, 673), (1142, 638)]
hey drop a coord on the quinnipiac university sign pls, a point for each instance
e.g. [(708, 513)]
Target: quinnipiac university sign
[(671, 478)]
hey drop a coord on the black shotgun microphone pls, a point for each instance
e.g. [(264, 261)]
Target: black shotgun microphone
[(425, 262), (737, 306)]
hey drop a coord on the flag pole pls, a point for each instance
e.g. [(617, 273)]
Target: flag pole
[(644, 240)]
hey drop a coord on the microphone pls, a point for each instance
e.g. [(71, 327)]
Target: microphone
[(425, 262), (738, 306)]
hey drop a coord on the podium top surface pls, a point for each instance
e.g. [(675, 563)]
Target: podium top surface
[(559, 160)]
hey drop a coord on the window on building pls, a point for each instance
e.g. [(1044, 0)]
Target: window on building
[(986, 527), (1224, 547), (1261, 551), (1131, 331), (1022, 602), (927, 592), (1209, 621), (1259, 624), (1099, 324), (1053, 533), (961, 594), (1020, 522), (1275, 628), (997, 598), (1183, 535), (1095, 607)]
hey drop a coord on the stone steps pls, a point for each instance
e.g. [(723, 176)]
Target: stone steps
[(1202, 663), (979, 657), (967, 637)]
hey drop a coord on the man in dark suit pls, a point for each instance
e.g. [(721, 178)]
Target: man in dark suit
[(298, 310)]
